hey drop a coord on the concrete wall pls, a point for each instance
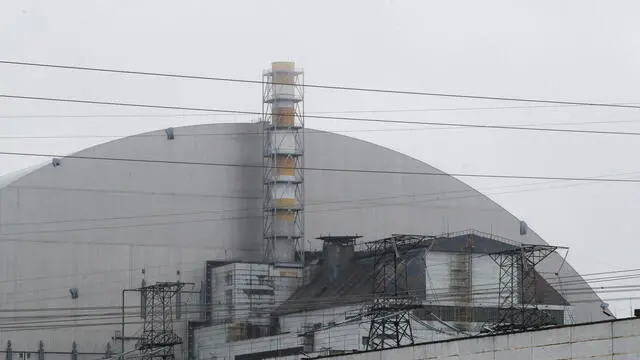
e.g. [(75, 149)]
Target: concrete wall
[(616, 340)]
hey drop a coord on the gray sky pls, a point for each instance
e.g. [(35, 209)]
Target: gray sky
[(561, 50)]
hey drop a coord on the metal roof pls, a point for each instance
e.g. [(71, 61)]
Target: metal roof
[(354, 284)]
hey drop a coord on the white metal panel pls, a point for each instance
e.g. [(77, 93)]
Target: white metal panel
[(286, 226), (438, 277), (485, 281), (284, 142), (283, 191), (285, 250), (284, 91)]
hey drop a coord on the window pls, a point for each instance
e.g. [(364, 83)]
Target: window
[(203, 297), (178, 305), (308, 342), (143, 299), (228, 299), (265, 280), (228, 277), (365, 341)]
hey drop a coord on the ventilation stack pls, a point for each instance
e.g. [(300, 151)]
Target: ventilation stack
[(283, 117)]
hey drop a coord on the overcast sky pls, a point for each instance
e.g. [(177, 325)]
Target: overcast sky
[(558, 50)]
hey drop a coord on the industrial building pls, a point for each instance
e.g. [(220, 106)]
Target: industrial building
[(331, 314), (259, 237)]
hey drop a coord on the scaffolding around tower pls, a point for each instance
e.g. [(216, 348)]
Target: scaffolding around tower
[(283, 162)]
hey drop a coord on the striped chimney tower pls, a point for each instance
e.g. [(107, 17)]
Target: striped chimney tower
[(283, 140)]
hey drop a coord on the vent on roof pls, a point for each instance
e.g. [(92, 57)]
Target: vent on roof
[(73, 292), (337, 252), (169, 132), (321, 291), (55, 162), (523, 228)]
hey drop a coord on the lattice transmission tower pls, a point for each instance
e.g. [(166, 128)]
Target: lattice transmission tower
[(158, 336), (517, 282), (393, 300)]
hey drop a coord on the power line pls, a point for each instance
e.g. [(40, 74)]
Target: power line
[(102, 272), (245, 217), (22, 240), (360, 171), (259, 216), (361, 111), (420, 199), (359, 119), (490, 287), (307, 131), (292, 304), (412, 196), (256, 209), (137, 192), (371, 111), (54, 323), (112, 243), (318, 86), (364, 199), (304, 303), (308, 203)]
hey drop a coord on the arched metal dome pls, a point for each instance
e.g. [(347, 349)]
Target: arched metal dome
[(93, 225)]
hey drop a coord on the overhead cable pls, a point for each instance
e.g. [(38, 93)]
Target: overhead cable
[(326, 169), (318, 86), (341, 118)]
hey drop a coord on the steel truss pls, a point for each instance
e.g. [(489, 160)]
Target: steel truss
[(393, 301), (158, 336), (517, 288)]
